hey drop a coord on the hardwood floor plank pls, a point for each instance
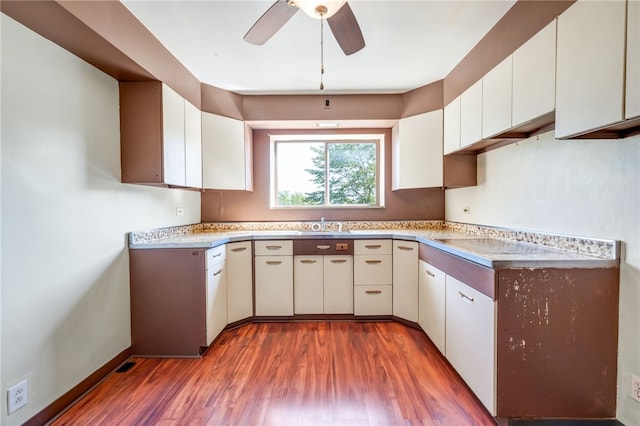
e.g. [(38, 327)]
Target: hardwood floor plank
[(299, 373)]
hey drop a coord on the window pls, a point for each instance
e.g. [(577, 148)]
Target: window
[(326, 171)]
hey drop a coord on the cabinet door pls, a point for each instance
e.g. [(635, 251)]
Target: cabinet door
[(173, 137), (431, 315), (308, 284), (239, 281), (632, 103), (274, 285), (216, 301), (405, 280), (452, 126), (338, 284), (496, 98), (193, 145), (223, 153), (590, 66), (471, 115), (417, 151), (373, 300), (534, 76), (372, 269), (470, 339)]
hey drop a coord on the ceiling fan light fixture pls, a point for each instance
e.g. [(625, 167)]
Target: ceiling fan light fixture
[(320, 8)]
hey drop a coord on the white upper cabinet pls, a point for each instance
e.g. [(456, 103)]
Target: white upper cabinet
[(496, 98), (417, 151), (632, 107), (590, 67), (471, 115), (173, 137), (193, 145), (534, 76), (452, 126), (226, 153)]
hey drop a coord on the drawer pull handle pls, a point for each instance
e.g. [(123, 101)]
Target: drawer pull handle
[(307, 261), (274, 262), (373, 291), (464, 296), (237, 249), (373, 246), (274, 247), (323, 247), (217, 255), (372, 262), (217, 273), (405, 248), (431, 274), (338, 260)]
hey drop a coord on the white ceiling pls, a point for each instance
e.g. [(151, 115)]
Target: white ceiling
[(408, 44)]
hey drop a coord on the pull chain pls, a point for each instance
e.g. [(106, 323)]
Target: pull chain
[(321, 52)]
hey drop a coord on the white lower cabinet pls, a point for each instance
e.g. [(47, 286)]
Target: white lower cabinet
[(216, 283), (470, 344), (239, 281), (405, 280), (308, 284), (338, 284), (372, 277), (323, 284), (274, 278), (431, 303)]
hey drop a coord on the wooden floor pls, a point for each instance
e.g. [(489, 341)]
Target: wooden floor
[(300, 373)]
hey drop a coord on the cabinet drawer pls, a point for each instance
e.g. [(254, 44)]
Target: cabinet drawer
[(373, 269), (372, 247), (216, 255), (372, 300), (274, 248)]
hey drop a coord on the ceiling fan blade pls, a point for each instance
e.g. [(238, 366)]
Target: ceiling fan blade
[(270, 22), (346, 30)]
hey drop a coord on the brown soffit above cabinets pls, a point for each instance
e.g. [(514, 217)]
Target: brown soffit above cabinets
[(108, 36)]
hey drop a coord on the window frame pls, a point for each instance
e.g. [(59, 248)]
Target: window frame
[(377, 139)]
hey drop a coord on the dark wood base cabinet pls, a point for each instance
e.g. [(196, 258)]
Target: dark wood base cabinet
[(556, 337), (168, 302)]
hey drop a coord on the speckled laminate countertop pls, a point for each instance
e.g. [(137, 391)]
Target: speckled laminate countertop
[(487, 246)]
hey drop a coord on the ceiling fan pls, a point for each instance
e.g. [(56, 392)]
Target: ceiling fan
[(338, 14)]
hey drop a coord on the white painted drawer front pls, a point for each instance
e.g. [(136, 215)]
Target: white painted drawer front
[(373, 269), (274, 248), (274, 285), (373, 300), (216, 255), (372, 247)]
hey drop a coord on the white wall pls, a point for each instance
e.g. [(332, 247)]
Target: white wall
[(589, 188), (65, 282)]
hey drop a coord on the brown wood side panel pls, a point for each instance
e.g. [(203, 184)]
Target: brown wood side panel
[(476, 276), (310, 247), (168, 302), (141, 132), (557, 342)]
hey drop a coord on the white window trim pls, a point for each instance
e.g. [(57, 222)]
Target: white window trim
[(377, 138)]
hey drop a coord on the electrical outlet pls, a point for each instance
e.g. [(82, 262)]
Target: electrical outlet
[(17, 396), (635, 387)]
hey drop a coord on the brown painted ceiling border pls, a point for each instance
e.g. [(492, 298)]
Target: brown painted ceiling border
[(108, 36)]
